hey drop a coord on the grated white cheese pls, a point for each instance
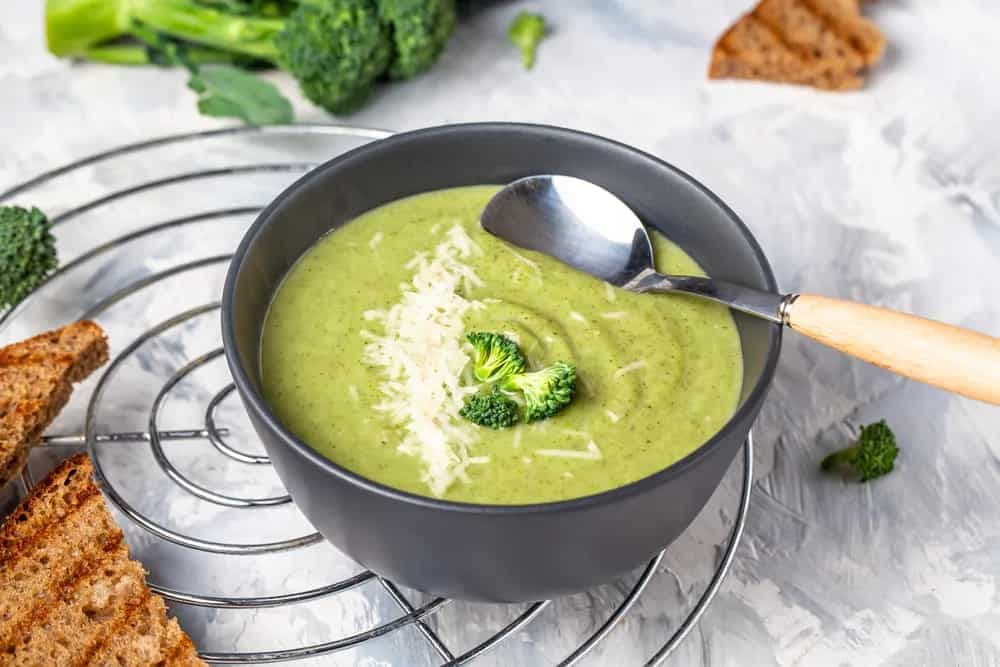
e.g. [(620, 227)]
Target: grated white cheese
[(577, 316), (609, 292), (352, 391), (375, 240), (525, 460), (436, 228), (534, 265), (615, 315), (513, 335), (629, 368), (593, 453), (613, 416), (421, 357)]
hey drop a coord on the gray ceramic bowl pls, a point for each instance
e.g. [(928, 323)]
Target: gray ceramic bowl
[(499, 553)]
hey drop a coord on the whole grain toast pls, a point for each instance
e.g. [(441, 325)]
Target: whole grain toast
[(822, 43), (69, 594), (36, 380)]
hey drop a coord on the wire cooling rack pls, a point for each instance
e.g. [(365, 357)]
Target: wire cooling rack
[(144, 233)]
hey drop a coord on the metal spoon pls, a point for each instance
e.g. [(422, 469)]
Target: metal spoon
[(592, 230)]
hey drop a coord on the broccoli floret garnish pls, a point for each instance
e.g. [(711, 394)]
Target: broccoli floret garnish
[(873, 455), (525, 32), (493, 410), (27, 252), (499, 361), (496, 356), (420, 30), (546, 392)]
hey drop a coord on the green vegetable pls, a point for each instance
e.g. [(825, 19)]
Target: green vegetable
[(265, 8), (493, 410), (546, 392), (140, 54), (873, 455), (496, 356), (27, 252), (525, 32), (420, 30), (336, 49), (228, 91)]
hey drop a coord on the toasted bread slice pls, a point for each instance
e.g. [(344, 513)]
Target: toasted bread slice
[(36, 379), (69, 594), (822, 43)]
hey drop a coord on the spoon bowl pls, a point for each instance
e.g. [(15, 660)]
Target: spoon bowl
[(576, 222)]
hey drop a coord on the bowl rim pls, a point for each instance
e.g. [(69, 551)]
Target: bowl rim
[(254, 401)]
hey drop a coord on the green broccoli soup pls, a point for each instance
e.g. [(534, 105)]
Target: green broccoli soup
[(396, 337)]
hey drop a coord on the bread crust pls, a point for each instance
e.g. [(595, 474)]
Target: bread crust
[(826, 44), (36, 380), (69, 593)]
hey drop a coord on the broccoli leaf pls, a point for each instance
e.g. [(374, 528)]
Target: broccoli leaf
[(525, 32), (230, 92)]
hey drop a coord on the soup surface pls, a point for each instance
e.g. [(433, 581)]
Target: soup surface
[(364, 358)]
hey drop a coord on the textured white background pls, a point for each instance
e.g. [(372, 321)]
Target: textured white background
[(890, 195)]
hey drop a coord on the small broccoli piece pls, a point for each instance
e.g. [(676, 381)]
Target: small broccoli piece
[(420, 30), (493, 410), (496, 356), (525, 32), (873, 455), (27, 252), (546, 392), (337, 49)]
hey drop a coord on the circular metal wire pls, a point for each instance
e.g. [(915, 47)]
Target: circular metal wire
[(90, 429), (91, 438), (215, 435), (175, 474)]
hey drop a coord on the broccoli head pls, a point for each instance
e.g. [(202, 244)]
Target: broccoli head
[(493, 410), (546, 392), (337, 49), (27, 252), (873, 455), (496, 356), (525, 32), (420, 29)]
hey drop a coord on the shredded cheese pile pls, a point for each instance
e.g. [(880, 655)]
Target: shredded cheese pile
[(421, 358)]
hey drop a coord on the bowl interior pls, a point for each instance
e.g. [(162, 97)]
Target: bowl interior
[(456, 155)]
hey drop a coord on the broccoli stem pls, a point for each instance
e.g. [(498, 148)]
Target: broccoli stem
[(126, 54), (72, 26), (841, 458), (137, 54), (193, 22)]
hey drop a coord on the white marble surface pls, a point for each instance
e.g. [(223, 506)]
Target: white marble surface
[(890, 195)]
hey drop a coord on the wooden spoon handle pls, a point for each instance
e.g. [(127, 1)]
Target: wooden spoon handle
[(956, 359)]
